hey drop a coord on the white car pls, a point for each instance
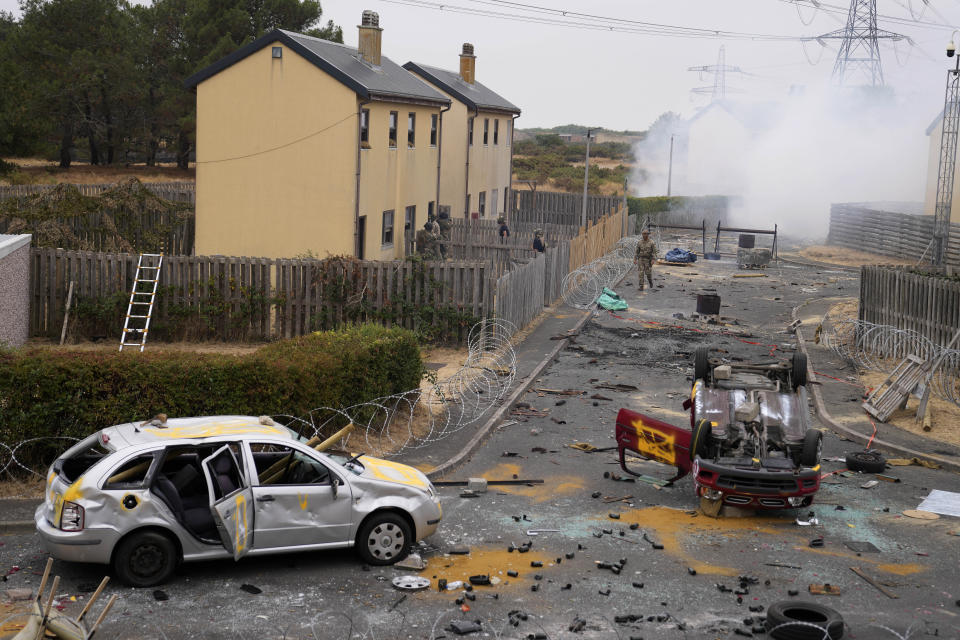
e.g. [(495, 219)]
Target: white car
[(144, 497)]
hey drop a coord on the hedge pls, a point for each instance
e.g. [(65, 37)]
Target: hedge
[(48, 394), (659, 204)]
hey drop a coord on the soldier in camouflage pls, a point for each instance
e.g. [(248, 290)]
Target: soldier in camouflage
[(646, 254), (428, 242), (444, 223)]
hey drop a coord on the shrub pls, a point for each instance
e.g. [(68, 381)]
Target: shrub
[(53, 394)]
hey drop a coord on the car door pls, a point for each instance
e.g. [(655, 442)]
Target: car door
[(231, 501), (299, 498)]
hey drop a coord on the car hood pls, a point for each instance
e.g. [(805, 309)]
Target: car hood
[(387, 471)]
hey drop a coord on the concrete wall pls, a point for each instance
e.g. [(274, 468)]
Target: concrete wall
[(14, 289)]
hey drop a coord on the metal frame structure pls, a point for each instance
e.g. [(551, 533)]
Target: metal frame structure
[(948, 165), (719, 89), (860, 49)]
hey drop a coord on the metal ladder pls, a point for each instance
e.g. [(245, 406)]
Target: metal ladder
[(140, 299)]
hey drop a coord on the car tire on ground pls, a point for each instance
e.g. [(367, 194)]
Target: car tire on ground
[(812, 448), (818, 622), (701, 363), (866, 461), (700, 439), (798, 370), (145, 559), (384, 539)]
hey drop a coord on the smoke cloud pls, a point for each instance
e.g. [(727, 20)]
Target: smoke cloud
[(785, 162)]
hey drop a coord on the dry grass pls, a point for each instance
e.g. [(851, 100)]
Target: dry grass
[(945, 415), (38, 171), (22, 488), (226, 348), (845, 257)]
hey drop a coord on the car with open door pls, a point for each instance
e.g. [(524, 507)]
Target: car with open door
[(750, 443), (144, 497)]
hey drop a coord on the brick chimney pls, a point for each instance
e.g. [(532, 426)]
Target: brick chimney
[(468, 64), (370, 37)]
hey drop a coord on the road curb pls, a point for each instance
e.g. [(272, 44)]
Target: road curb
[(853, 434), (474, 443), (14, 527)]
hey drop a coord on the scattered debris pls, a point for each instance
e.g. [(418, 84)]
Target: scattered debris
[(564, 392), (862, 546), (397, 602), (824, 590), (920, 514), (249, 588), (870, 484), (459, 550), (874, 583), (536, 532), (464, 627), (807, 523), (903, 462), (160, 596), (943, 502), (413, 561)]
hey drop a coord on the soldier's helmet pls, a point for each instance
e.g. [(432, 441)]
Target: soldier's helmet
[(428, 225)]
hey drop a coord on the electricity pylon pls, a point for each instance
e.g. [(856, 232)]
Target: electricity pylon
[(719, 89), (859, 55)]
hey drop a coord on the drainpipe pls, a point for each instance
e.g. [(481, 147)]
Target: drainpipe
[(509, 203), (468, 221), (436, 211), (356, 206)]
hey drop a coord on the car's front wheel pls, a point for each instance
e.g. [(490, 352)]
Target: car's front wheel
[(145, 559), (384, 539)]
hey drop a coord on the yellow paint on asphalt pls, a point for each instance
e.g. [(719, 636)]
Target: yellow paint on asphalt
[(552, 487), (680, 532)]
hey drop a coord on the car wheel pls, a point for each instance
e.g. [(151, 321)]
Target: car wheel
[(145, 559), (812, 448), (700, 439), (866, 461), (384, 539), (701, 363), (798, 370), (791, 620)]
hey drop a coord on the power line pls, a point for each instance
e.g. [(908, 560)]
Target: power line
[(597, 23), (837, 9)]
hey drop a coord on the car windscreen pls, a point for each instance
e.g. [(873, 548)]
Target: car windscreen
[(80, 457)]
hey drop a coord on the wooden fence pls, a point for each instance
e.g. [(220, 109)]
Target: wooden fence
[(173, 191), (906, 298), (257, 298), (597, 239), (547, 207), (888, 233)]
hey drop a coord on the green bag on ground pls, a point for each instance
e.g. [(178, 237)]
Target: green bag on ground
[(610, 301)]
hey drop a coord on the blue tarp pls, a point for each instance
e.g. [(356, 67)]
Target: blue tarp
[(680, 255)]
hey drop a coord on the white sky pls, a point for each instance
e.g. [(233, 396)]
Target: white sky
[(559, 75)]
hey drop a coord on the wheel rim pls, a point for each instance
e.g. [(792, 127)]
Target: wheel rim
[(385, 541), (147, 560)]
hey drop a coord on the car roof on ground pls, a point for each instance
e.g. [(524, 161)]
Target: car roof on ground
[(143, 432)]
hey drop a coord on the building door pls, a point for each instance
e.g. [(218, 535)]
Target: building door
[(409, 231), (361, 236)]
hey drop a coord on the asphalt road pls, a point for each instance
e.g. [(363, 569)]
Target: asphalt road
[(675, 591)]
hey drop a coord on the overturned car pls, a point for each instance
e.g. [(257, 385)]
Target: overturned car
[(750, 443)]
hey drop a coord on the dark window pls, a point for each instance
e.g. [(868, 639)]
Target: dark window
[(393, 128), (509, 131), (486, 129), (496, 131), (470, 132), (280, 465), (482, 203), (410, 218), (131, 474), (365, 128), (433, 130), (387, 236), (411, 130), (430, 209), (506, 196)]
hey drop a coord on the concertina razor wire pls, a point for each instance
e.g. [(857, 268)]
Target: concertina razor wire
[(389, 425), (879, 347), (582, 286)]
